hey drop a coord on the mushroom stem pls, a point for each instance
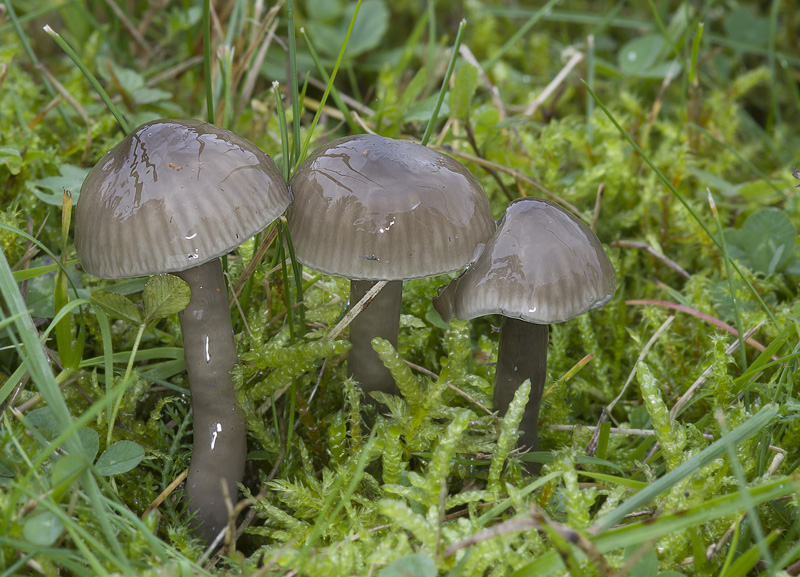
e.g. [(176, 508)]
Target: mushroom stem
[(522, 355), (219, 423), (381, 318)]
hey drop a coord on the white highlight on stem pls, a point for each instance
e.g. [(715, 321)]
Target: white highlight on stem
[(215, 431)]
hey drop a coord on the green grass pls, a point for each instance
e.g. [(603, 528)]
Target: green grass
[(694, 165)]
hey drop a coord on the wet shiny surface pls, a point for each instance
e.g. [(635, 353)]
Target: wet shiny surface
[(369, 207), (174, 194), (542, 265)]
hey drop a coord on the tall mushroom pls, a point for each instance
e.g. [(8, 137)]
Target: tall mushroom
[(370, 208), (173, 196), (541, 266)]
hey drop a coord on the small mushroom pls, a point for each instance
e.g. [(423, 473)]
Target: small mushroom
[(542, 266), (173, 196), (370, 208)]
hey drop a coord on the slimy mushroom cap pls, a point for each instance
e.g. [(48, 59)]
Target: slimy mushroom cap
[(374, 208), (172, 195), (543, 265)]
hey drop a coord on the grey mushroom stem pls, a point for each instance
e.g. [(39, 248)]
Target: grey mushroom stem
[(522, 355), (381, 318), (219, 423)]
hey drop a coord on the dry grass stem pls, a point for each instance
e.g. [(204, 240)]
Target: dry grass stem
[(691, 391), (592, 446), (660, 256), (575, 58), (356, 309)]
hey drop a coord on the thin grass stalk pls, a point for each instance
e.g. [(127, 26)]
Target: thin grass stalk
[(90, 77), (774, 116), (69, 351), (638, 533), (156, 545), (226, 68), (23, 38), (295, 158), (281, 113), (695, 51), (235, 22), (744, 431), (281, 259), (590, 74), (445, 82), (324, 98), (683, 201), (108, 351), (297, 268), (38, 366), (41, 246), (125, 379), (207, 61), (676, 51), (523, 30), (13, 380), (431, 14), (757, 171), (737, 314), (297, 271), (741, 481), (325, 78)]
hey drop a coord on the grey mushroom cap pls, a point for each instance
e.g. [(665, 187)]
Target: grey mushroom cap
[(172, 195), (542, 265), (373, 208)]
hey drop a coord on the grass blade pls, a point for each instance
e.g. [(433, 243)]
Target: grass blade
[(682, 200), (744, 431), (295, 158), (324, 98), (90, 77), (326, 79), (445, 82), (207, 61)]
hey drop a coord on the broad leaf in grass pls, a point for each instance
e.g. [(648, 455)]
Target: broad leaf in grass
[(90, 441), (636, 57), (117, 306), (42, 529), (328, 26), (647, 565), (50, 189), (41, 290), (765, 242), (12, 158), (464, 85), (164, 295), (43, 419), (416, 565), (371, 24), (119, 458), (65, 473), (422, 111), (744, 26)]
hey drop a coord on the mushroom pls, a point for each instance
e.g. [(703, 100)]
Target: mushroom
[(370, 208), (542, 266), (173, 196)]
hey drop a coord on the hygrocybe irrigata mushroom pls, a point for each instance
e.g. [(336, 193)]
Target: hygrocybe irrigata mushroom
[(541, 266), (173, 196)]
